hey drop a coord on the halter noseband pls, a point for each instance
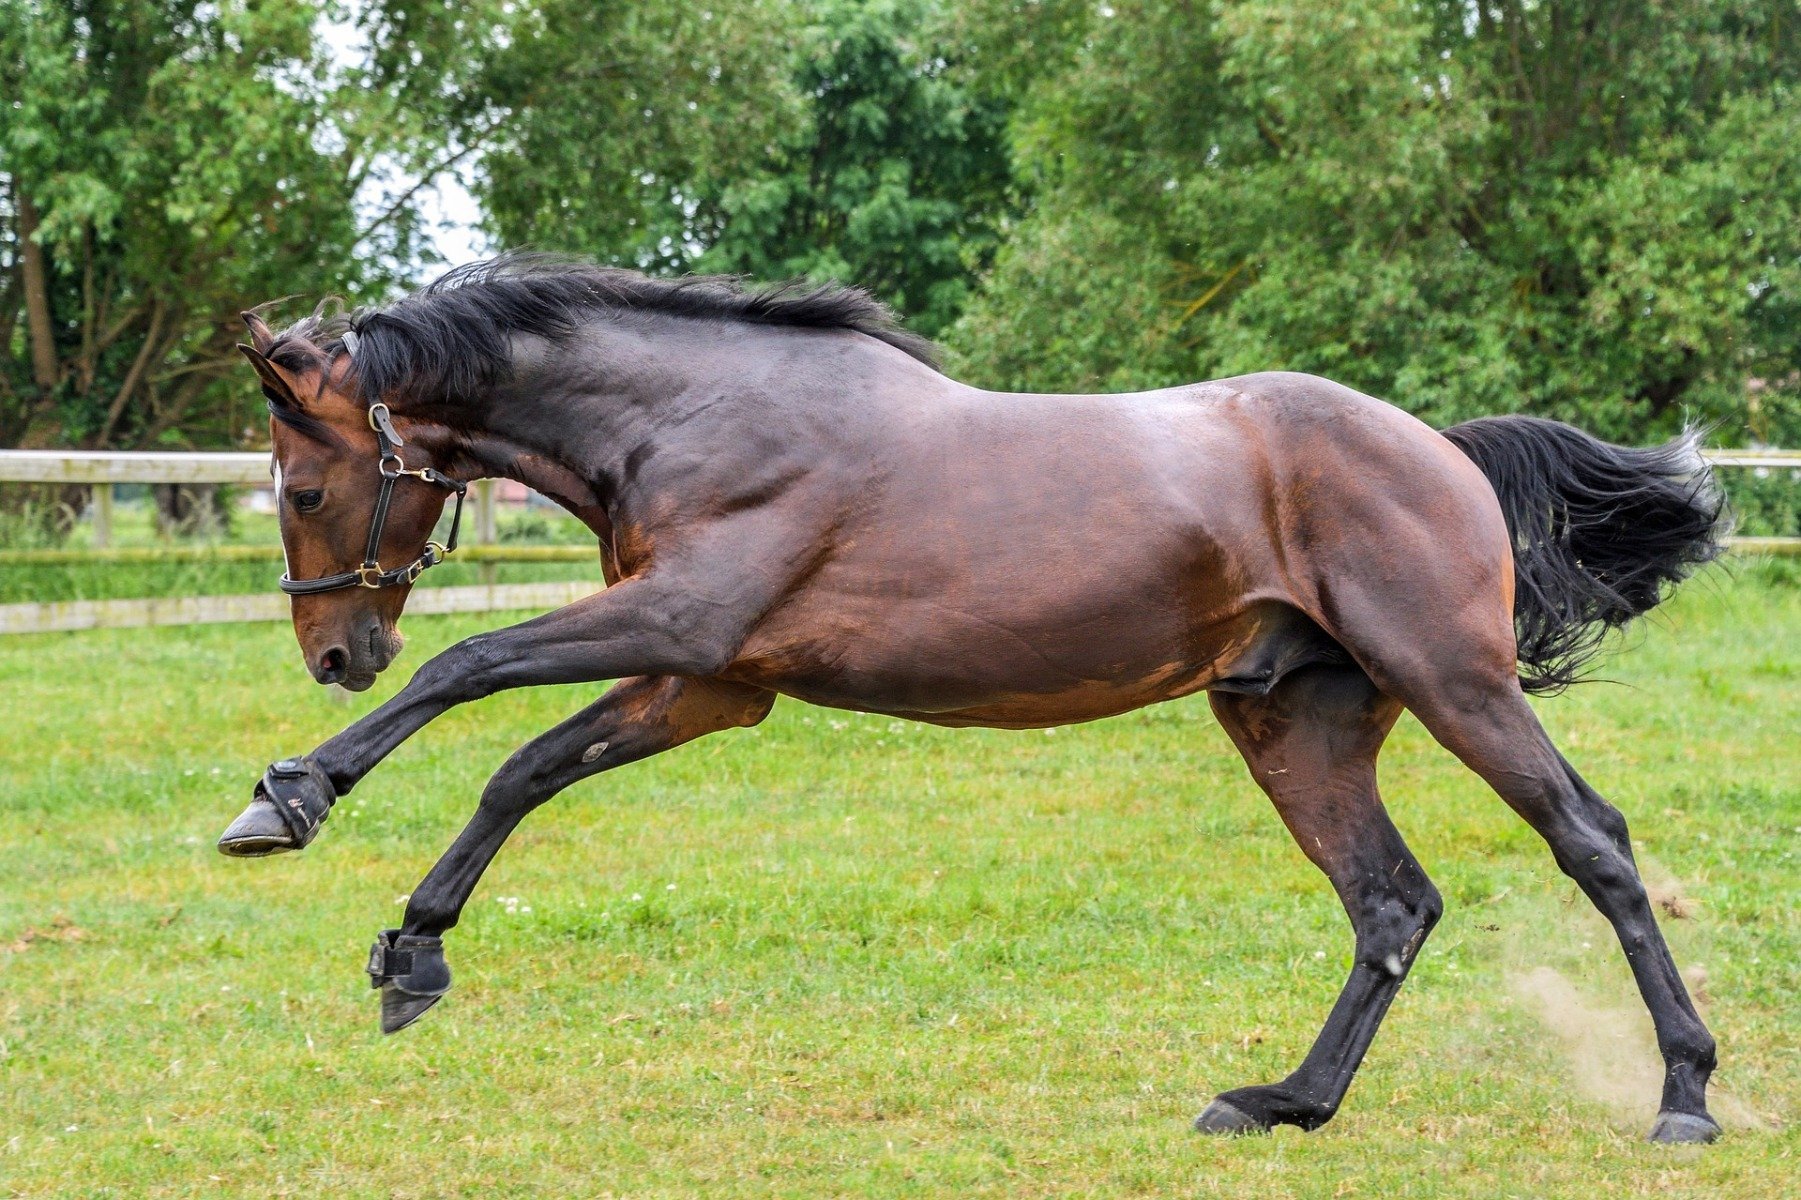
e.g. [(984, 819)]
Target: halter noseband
[(370, 574)]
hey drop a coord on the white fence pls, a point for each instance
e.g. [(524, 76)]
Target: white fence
[(56, 615), (102, 469)]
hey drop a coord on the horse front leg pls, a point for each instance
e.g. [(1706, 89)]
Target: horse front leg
[(638, 627), (637, 718)]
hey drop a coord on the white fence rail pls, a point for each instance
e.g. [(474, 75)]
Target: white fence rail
[(101, 469), (135, 466), (58, 615)]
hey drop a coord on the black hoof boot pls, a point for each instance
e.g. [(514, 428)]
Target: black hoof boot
[(1680, 1128), (290, 803), (1227, 1120), (411, 972)]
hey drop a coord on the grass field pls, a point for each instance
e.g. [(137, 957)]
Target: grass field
[(839, 955)]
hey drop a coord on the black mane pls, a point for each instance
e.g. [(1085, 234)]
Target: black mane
[(451, 338)]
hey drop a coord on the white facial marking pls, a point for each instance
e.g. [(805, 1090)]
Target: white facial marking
[(276, 469)]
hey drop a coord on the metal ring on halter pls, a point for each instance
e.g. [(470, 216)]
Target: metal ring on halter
[(370, 574)]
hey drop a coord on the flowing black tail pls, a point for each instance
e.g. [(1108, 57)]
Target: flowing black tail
[(1600, 532)]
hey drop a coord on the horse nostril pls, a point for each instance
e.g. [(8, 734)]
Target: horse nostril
[(332, 665)]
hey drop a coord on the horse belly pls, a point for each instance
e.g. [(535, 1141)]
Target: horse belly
[(945, 663)]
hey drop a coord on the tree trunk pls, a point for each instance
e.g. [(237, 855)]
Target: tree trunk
[(37, 294), (192, 509)]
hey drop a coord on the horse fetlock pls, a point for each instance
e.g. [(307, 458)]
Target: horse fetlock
[(411, 973), (1702, 1051)]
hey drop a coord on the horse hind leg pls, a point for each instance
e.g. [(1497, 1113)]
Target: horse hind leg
[(1482, 717), (1311, 743)]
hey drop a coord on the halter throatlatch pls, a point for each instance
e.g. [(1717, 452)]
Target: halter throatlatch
[(370, 574)]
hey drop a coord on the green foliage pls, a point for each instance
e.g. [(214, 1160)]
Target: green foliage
[(897, 179), (614, 118), (1566, 209), (830, 139), (1590, 210), (1765, 503), (163, 165)]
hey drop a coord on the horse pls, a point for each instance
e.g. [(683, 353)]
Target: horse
[(789, 498)]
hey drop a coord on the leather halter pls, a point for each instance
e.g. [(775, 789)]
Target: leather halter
[(370, 574)]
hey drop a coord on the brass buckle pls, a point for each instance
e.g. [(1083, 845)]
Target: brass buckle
[(381, 420)]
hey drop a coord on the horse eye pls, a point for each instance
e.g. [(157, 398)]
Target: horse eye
[(307, 501)]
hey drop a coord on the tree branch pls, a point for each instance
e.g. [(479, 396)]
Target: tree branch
[(425, 180), (118, 327), (206, 364), (176, 409), (134, 376)]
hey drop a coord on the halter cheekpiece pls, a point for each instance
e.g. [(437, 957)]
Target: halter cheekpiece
[(370, 574)]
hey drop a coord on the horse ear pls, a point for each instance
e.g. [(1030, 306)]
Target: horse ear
[(261, 336), (273, 383)]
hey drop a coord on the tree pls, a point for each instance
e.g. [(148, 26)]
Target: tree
[(162, 166), (1589, 210), (828, 139), (609, 121), (898, 179)]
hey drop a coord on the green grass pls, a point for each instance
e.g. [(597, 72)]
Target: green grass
[(839, 955)]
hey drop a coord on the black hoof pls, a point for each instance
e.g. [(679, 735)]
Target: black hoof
[(400, 1008), (258, 831), (1680, 1128), (1224, 1119)]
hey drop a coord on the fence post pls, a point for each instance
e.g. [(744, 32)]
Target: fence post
[(484, 512), (485, 532), (102, 504)]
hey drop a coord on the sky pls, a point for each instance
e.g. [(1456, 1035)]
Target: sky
[(454, 220), (451, 214)]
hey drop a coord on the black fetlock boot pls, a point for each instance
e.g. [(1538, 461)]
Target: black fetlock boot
[(411, 972), (290, 803)]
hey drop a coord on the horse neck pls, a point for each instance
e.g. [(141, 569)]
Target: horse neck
[(579, 421), (566, 421)]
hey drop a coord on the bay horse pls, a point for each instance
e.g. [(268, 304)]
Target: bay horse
[(790, 499)]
